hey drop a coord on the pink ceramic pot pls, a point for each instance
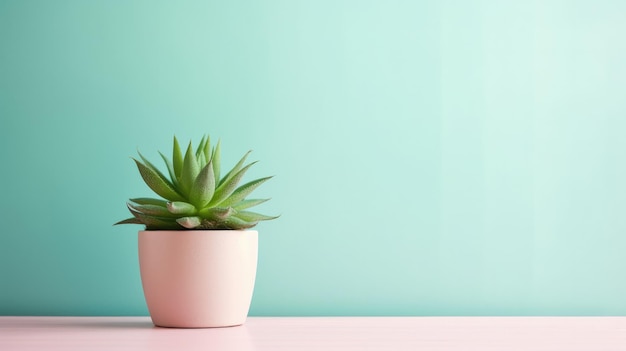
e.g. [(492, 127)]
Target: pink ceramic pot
[(198, 278)]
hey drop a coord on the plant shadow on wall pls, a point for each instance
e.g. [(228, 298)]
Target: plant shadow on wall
[(197, 255)]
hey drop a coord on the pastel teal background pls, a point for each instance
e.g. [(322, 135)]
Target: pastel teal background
[(431, 157)]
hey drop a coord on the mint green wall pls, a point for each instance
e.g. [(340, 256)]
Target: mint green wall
[(431, 157)]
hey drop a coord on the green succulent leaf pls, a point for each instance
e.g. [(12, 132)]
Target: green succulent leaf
[(207, 150), (226, 189), (236, 223), (242, 205), (149, 201), (216, 158), (177, 159), (216, 213), (243, 191), (253, 216), (181, 208), (190, 170), (200, 157), (154, 222), (170, 169), (235, 169), (200, 150), (152, 210), (148, 164), (132, 220), (202, 161), (203, 188), (157, 182), (189, 222)]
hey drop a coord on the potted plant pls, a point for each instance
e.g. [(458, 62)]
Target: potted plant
[(197, 254)]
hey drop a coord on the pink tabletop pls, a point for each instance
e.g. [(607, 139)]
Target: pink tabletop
[(319, 333)]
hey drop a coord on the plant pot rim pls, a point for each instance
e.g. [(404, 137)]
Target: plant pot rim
[(200, 230)]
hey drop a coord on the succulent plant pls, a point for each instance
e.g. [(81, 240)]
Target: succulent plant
[(194, 196)]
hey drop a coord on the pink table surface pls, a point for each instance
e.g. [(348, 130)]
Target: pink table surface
[(319, 333)]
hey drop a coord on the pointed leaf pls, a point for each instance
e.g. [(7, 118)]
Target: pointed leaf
[(216, 213), (153, 167), (146, 162), (157, 182), (153, 222), (177, 159), (201, 161), (149, 201), (216, 158), (235, 169), (242, 205), (242, 192), (181, 208), (152, 210), (132, 220), (236, 223), (206, 160), (207, 150), (203, 188), (190, 170), (253, 216), (203, 142), (170, 169), (226, 189), (189, 222)]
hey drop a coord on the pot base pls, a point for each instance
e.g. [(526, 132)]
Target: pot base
[(204, 327)]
